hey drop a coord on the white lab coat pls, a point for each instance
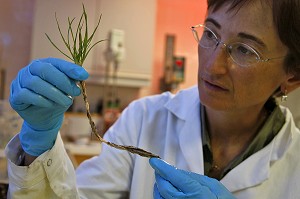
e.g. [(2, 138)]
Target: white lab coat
[(169, 126)]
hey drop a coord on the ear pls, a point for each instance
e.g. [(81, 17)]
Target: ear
[(292, 82)]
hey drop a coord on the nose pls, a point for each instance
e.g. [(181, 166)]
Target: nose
[(223, 45), (216, 60)]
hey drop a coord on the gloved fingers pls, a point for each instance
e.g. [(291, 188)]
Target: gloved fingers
[(180, 179), (156, 194), (21, 98), (177, 177), (50, 92), (39, 87), (51, 74), (70, 69), (214, 185), (206, 181), (166, 189)]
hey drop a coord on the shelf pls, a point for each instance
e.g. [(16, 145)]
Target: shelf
[(81, 152), (124, 79), (92, 149)]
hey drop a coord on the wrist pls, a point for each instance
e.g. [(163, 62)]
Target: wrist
[(35, 142), (25, 159)]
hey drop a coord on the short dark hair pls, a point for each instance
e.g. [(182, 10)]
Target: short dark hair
[(286, 18)]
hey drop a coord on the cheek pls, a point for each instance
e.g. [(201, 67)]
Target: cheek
[(257, 84), (203, 57), (199, 61)]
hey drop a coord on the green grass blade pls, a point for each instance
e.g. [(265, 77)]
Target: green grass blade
[(88, 51), (98, 23), (77, 42), (58, 48)]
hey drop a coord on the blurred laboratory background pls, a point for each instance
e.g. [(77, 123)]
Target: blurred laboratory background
[(148, 49)]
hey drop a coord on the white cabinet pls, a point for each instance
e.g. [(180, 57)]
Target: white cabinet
[(135, 17)]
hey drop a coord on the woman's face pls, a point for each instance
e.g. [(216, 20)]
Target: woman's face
[(223, 84)]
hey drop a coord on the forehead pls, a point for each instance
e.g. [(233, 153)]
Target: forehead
[(249, 15), (254, 18)]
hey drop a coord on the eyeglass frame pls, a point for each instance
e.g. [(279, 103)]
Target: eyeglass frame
[(229, 46)]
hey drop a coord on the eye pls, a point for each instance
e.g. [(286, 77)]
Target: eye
[(209, 35), (242, 53), (244, 50)]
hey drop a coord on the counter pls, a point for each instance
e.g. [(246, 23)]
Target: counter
[(80, 152)]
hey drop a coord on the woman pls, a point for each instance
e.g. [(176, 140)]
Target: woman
[(229, 128)]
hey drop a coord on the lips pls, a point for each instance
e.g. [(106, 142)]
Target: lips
[(213, 85)]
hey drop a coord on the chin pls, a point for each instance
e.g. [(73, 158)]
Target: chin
[(214, 103)]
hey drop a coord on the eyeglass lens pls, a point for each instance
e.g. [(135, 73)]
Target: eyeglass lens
[(240, 53)]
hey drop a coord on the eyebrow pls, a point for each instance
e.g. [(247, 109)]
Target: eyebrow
[(211, 20), (251, 37), (241, 34)]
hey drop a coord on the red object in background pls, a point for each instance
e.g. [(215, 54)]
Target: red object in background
[(179, 63), (175, 17), (178, 69), (111, 114)]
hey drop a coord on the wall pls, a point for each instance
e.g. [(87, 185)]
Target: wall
[(172, 16), (135, 17), (176, 17), (293, 104), (15, 37)]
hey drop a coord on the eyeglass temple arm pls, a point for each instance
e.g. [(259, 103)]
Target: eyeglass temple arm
[(195, 32)]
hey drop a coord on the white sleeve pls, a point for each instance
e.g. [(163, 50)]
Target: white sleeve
[(108, 175), (51, 175)]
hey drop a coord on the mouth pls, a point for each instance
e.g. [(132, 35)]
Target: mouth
[(212, 85)]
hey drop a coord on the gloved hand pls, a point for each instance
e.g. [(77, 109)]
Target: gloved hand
[(174, 183), (41, 93)]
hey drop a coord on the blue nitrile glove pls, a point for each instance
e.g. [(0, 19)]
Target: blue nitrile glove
[(174, 183), (41, 93)]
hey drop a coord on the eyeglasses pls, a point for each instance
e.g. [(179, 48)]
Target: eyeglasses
[(241, 53)]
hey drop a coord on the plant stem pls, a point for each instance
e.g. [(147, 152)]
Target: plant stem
[(79, 51), (130, 149)]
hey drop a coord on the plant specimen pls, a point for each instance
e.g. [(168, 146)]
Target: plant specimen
[(78, 44)]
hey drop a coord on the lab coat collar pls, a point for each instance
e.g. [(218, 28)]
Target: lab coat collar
[(251, 172), (256, 169), (188, 97), (189, 136)]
